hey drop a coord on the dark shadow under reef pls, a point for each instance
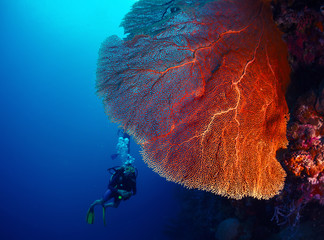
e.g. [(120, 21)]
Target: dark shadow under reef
[(207, 216)]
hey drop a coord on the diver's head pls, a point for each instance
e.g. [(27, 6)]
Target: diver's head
[(129, 169)]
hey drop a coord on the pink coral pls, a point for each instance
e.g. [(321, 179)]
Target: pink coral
[(305, 158)]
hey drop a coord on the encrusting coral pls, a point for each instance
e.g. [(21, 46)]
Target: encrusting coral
[(305, 156), (303, 27)]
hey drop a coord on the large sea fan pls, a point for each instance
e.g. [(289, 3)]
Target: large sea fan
[(200, 85)]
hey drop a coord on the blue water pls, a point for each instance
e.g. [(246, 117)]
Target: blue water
[(56, 140)]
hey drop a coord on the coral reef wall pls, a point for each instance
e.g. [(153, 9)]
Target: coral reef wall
[(298, 211)]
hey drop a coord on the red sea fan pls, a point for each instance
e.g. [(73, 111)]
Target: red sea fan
[(200, 85)]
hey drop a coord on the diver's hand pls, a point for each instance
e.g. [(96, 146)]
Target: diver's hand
[(124, 194)]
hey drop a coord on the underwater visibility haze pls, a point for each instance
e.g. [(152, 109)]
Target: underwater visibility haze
[(56, 139), (223, 97)]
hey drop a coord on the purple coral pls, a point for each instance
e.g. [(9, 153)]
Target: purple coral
[(304, 161), (304, 32), (305, 158)]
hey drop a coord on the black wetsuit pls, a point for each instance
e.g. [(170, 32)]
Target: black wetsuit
[(121, 182)]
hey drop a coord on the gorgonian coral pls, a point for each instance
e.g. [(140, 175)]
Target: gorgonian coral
[(200, 85)]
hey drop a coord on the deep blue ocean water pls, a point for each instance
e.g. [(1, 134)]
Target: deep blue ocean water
[(56, 140)]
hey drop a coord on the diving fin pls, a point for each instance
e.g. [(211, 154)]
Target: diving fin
[(90, 216), (104, 215)]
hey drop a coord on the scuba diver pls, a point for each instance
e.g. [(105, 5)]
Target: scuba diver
[(122, 184)]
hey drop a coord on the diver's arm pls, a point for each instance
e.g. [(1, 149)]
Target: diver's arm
[(125, 194), (113, 184)]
